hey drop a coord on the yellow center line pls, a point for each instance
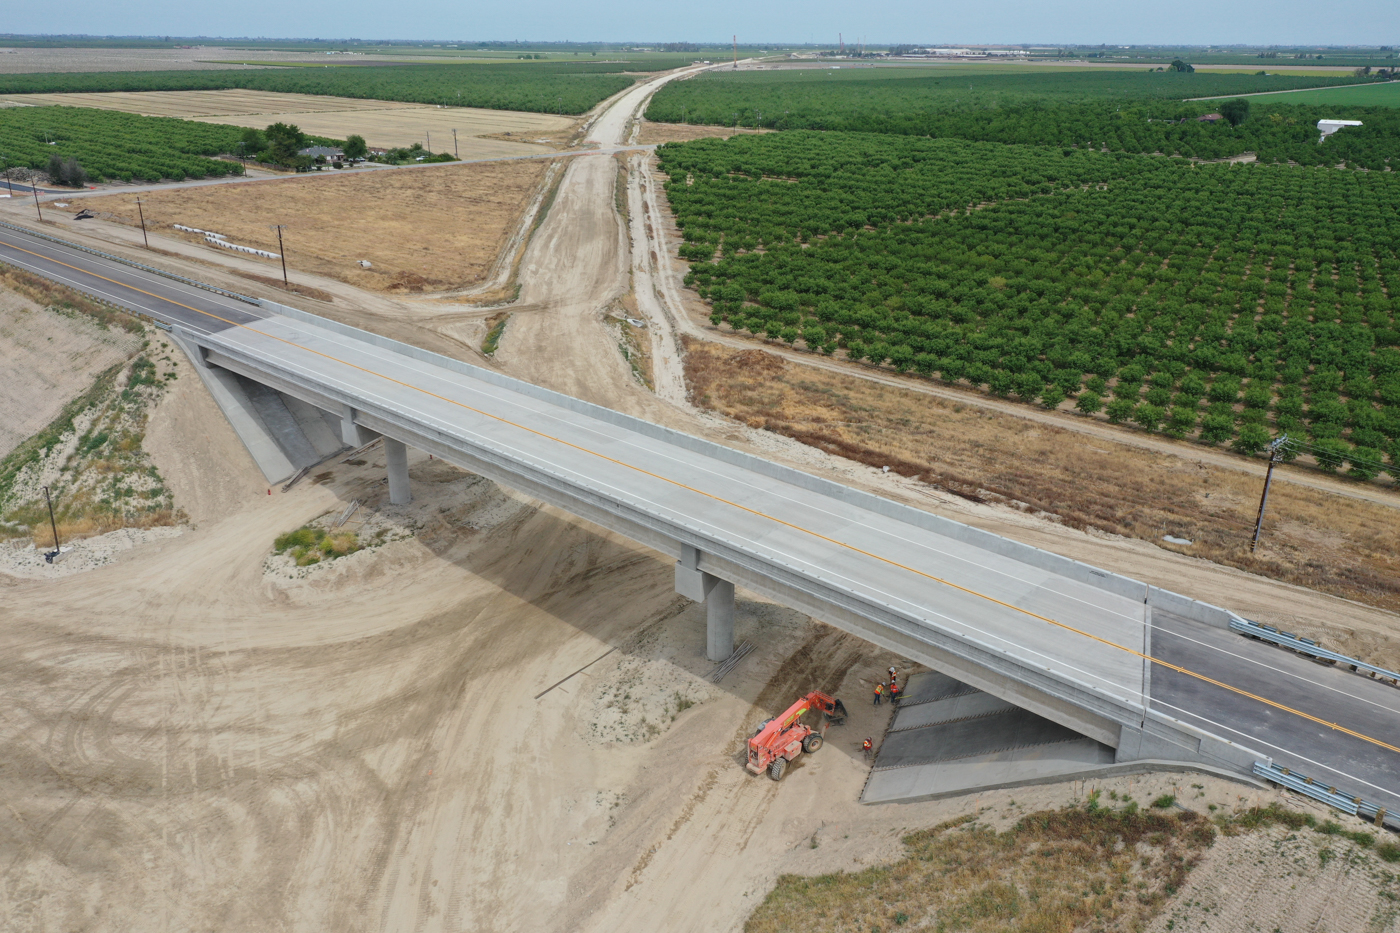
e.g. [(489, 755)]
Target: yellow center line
[(743, 508)]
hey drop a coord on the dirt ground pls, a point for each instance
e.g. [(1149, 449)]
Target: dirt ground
[(419, 230), (47, 358), (384, 742)]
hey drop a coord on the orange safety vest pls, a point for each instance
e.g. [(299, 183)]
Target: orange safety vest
[(879, 689), (866, 745)]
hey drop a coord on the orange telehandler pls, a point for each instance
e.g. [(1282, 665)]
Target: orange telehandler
[(783, 738)]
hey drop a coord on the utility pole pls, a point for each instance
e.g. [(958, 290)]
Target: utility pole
[(34, 188), (455, 150), (281, 253), (142, 214), (430, 142), (1276, 450), (53, 525)]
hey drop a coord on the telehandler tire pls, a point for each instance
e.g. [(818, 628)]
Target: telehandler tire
[(812, 742), (776, 769)]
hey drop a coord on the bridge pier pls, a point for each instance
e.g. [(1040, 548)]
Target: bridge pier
[(353, 435), (719, 620), (718, 597), (396, 459)]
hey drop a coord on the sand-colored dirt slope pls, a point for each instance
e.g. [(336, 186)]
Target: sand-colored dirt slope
[(47, 358), (369, 746), (386, 124), (430, 229)]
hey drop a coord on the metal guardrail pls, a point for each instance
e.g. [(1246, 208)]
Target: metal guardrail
[(1308, 647), (1352, 806), (133, 263)]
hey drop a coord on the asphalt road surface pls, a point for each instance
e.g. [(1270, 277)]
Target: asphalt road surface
[(1356, 767), (125, 286)]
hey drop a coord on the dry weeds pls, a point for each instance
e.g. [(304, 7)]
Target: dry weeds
[(1052, 872), (1337, 545), (652, 133), (420, 229)]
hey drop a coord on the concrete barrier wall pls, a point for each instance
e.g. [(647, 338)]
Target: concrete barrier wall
[(1184, 606), (1032, 556)]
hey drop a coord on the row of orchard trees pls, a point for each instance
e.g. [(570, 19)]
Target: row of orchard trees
[(1214, 301), (546, 87), (993, 108), (111, 145)]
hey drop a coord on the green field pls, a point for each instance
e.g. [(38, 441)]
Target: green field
[(1366, 95), (1214, 301), (1121, 111), (112, 145), (545, 87)]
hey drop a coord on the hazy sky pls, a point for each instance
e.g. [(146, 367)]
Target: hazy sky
[(1335, 22)]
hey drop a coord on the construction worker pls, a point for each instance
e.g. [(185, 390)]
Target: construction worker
[(879, 691), (894, 694), (893, 674), (868, 747)]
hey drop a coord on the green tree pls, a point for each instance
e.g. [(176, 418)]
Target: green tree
[(284, 141), (1181, 66), (1331, 453), (252, 142), (355, 147), (1253, 438), (1088, 402), (1236, 111), (1365, 462), (1120, 410)]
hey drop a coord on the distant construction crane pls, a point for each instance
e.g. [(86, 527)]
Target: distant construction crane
[(736, 53), (841, 40)]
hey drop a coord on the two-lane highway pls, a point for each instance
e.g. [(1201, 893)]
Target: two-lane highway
[(125, 286)]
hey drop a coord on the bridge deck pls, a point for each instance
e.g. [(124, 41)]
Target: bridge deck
[(847, 546)]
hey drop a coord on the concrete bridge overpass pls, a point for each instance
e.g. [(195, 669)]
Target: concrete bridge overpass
[(1145, 671)]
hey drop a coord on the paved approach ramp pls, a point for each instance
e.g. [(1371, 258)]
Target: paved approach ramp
[(1071, 643)]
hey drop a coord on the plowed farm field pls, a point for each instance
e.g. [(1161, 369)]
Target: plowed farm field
[(383, 124)]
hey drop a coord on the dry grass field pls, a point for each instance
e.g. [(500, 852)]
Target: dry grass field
[(386, 124), (192, 104), (421, 230), (1329, 543), (652, 133)]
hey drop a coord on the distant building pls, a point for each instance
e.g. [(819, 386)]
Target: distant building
[(1328, 127), (1210, 118), (329, 153)]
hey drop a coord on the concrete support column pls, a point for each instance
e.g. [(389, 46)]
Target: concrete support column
[(719, 621), (352, 434), (718, 597), (396, 459)]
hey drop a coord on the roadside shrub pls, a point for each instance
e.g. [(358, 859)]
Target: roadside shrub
[(303, 537)]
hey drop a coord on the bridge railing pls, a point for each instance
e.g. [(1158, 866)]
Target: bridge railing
[(1328, 794), (1306, 646)]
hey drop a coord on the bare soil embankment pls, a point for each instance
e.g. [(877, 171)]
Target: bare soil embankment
[(47, 357)]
